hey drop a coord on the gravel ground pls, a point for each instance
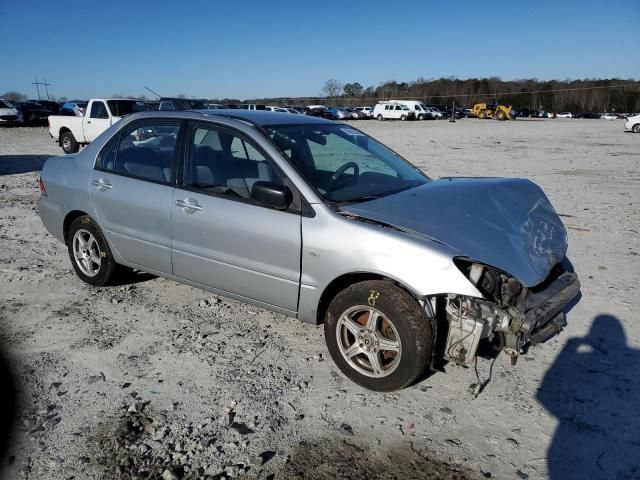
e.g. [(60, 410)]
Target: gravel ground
[(153, 379)]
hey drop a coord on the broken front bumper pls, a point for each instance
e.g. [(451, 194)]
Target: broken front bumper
[(537, 317), (544, 315)]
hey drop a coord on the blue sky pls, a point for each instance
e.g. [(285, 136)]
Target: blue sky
[(246, 49)]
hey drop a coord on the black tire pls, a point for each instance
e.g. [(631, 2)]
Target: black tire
[(380, 117), (501, 115), (107, 268), (636, 128), (408, 319), (403, 117), (68, 143)]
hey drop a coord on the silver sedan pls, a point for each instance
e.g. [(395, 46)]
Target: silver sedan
[(316, 220)]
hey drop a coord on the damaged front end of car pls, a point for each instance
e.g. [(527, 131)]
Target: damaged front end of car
[(510, 316)]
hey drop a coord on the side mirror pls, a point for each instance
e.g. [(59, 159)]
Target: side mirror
[(271, 195)]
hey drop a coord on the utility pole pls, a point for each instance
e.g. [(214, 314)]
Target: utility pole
[(45, 84)]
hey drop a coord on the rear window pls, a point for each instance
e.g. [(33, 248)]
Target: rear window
[(120, 108)]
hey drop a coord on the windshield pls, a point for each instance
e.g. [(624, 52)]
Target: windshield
[(4, 104), (343, 164)]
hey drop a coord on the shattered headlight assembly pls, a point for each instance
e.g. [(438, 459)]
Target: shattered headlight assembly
[(494, 317)]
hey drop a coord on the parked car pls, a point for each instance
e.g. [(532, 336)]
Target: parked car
[(33, 112), (179, 104), (316, 111), (420, 110), (633, 124), (9, 113), (368, 111), (272, 108), (251, 106), (356, 114), (74, 108), (337, 113), (564, 115), (608, 116), (72, 132), (392, 110), (317, 220)]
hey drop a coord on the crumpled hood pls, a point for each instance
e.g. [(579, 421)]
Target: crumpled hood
[(507, 223)]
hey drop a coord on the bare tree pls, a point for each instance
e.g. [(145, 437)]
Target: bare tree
[(14, 97), (332, 88)]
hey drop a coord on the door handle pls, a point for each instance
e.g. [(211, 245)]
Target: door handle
[(88, 121), (189, 205), (102, 184)]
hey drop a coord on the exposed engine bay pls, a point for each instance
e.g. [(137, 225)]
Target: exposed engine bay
[(510, 316)]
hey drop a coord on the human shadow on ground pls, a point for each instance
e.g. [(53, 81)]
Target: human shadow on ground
[(14, 164), (593, 389), (8, 406)]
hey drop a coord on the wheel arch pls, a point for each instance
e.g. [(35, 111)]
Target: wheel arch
[(346, 280), (63, 130), (68, 220)]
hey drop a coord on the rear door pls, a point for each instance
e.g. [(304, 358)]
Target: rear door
[(131, 191), (222, 238)]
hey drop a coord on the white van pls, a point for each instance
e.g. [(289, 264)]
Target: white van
[(392, 110), (421, 111)]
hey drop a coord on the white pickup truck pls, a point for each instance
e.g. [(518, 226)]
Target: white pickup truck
[(71, 132)]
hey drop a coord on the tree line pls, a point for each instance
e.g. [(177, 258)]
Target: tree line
[(590, 95)]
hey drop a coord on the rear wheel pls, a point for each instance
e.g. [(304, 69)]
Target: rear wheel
[(501, 115), (403, 117), (482, 115), (378, 335), (380, 117), (636, 128), (89, 252), (68, 143)]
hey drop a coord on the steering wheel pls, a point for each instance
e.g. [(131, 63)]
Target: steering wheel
[(340, 172)]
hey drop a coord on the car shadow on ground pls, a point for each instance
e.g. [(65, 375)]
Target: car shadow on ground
[(14, 164), (593, 389), (8, 405)]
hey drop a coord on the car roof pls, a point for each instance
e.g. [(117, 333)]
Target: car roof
[(264, 117)]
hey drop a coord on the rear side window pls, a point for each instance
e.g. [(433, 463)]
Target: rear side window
[(145, 150)]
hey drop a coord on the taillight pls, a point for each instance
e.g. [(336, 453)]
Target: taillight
[(43, 190)]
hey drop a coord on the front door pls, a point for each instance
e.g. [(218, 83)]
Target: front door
[(131, 191), (221, 238), (97, 120)]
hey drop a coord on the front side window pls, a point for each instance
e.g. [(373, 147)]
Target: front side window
[(220, 162), (146, 150), (344, 164), (99, 110)]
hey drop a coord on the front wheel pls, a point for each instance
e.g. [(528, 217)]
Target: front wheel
[(378, 335), (380, 117), (89, 252), (403, 117), (636, 128), (68, 143)]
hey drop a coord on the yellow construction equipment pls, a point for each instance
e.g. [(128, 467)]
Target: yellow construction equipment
[(492, 109)]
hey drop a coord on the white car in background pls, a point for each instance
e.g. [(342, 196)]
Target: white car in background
[(273, 108), (368, 111), (633, 124), (9, 113), (564, 115), (609, 116)]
